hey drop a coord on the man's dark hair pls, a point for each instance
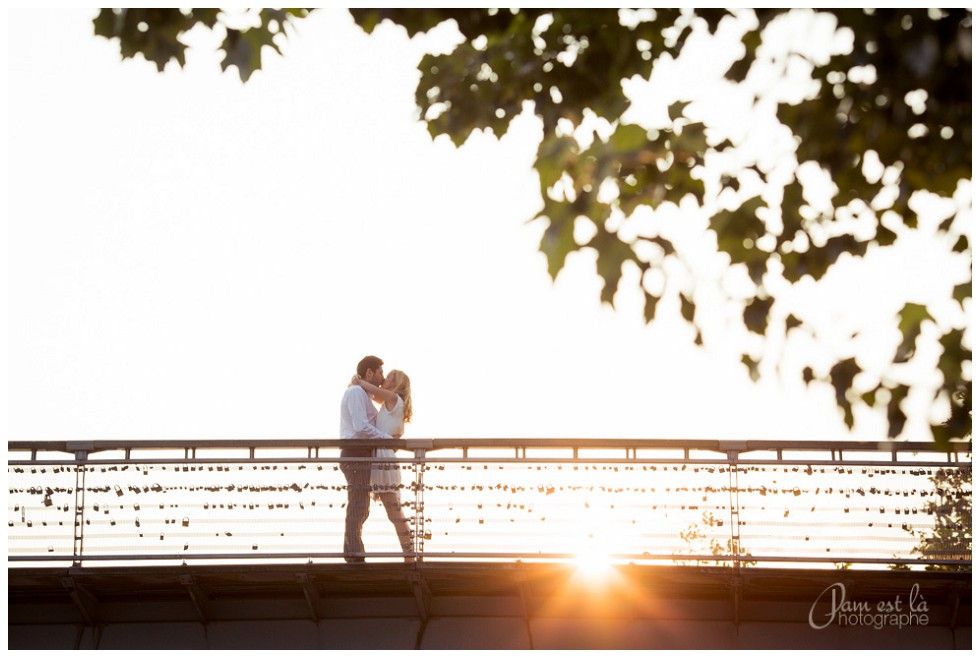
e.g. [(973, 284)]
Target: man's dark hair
[(368, 363)]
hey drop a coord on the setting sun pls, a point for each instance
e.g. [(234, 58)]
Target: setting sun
[(592, 561)]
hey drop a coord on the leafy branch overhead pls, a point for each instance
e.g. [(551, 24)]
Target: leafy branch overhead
[(885, 118), (156, 33)]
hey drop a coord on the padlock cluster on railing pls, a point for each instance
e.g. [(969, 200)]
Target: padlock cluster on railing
[(653, 501)]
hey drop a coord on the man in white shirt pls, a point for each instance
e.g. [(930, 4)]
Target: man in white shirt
[(358, 418)]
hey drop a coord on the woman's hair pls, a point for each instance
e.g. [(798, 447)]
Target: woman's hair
[(403, 387)]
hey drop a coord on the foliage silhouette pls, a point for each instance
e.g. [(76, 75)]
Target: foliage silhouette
[(702, 541), (886, 119), (952, 535)]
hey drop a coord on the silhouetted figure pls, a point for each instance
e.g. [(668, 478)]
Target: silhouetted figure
[(395, 396), (358, 420)]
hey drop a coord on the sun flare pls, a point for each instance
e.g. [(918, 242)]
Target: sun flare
[(592, 563)]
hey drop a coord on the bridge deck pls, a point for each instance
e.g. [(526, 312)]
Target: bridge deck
[(459, 604)]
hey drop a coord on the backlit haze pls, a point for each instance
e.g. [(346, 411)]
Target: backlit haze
[(194, 258)]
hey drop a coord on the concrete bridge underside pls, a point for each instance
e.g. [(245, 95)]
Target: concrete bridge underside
[(475, 605)]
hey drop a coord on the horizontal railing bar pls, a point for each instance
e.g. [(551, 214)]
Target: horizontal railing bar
[(484, 555), (484, 460), (207, 556), (703, 558), (443, 444)]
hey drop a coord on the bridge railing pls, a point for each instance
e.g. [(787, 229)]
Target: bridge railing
[(650, 501)]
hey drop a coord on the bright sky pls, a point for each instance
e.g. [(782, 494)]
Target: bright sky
[(191, 257)]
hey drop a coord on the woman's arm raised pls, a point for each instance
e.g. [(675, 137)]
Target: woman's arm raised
[(389, 397)]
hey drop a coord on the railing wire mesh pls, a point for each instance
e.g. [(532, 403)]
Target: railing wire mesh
[(652, 501)]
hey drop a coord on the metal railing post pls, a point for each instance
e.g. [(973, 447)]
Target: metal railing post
[(735, 516), (79, 528), (418, 542)]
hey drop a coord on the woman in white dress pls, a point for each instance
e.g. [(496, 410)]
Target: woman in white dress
[(395, 396)]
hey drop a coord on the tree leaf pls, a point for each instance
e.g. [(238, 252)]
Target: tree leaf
[(910, 320), (713, 17), (870, 397), (612, 253), (885, 237), (105, 23), (650, 306), (896, 417), (559, 238), (962, 292), (842, 379), (736, 227), (687, 307), (555, 156), (241, 53), (756, 315), (752, 365), (628, 138), (676, 110)]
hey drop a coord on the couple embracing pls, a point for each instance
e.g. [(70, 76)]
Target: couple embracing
[(360, 419)]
